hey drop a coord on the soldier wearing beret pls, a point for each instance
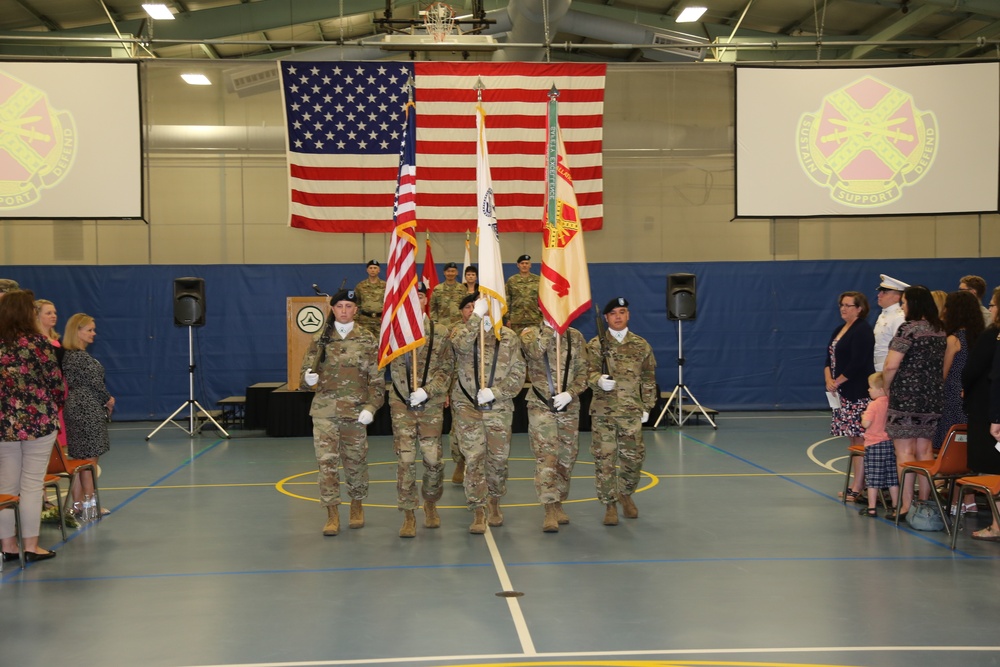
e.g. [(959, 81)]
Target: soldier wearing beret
[(522, 296), (417, 409), (341, 367), (482, 408), (447, 297), (624, 382), (371, 292)]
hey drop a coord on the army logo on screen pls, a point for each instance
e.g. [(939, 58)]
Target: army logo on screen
[(867, 143), (310, 319), (37, 143)]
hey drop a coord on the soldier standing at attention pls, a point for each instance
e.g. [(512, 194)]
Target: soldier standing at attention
[(445, 308), (554, 412), (624, 395), (482, 411), (371, 291), (417, 417), (341, 367), (522, 296)]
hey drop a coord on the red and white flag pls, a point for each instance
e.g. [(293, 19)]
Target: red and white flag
[(430, 274), (402, 317)]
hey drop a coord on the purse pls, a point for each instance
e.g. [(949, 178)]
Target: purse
[(924, 515)]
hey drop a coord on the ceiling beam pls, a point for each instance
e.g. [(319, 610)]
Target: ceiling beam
[(41, 18), (904, 24)]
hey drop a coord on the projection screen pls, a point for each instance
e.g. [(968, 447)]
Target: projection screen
[(70, 140), (901, 140)]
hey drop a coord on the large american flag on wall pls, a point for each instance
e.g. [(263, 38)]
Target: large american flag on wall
[(345, 122)]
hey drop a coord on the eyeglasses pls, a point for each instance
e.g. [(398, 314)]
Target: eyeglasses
[(849, 305)]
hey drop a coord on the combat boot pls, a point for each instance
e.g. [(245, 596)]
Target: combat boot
[(357, 519), (409, 528), (495, 516), (478, 526), (431, 517), (628, 507), (458, 477), (611, 515), (550, 524), (561, 515), (332, 526)]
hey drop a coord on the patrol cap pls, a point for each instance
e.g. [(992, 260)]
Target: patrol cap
[(472, 268), (450, 265), (373, 262), (890, 283), (469, 298), (524, 258), (8, 285), (344, 295), (617, 302)]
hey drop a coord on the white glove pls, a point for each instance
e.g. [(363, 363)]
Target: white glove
[(560, 401), (310, 377), (645, 416), (606, 383), (482, 305), (365, 418), (487, 323), (417, 397), (485, 395)]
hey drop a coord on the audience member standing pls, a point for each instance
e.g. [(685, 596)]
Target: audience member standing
[(976, 384), (88, 403), (31, 393), (914, 376), (848, 365), (962, 324), (45, 314), (977, 286), (890, 291)]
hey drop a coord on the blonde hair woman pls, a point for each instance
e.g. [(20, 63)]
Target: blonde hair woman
[(46, 317)]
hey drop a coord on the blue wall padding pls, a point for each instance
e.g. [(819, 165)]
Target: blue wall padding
[(757, 343)]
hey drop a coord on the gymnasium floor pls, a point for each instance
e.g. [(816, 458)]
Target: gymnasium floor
[(742, 555)]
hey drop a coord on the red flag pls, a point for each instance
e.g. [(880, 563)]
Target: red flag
[(430, 274), (344, 121), (402, 318)]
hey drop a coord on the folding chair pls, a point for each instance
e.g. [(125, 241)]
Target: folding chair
[(988, 485), (67, 468), (10, 502), (52, 482), (951, 463)]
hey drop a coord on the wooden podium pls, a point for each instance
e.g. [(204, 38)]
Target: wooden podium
[(304, 316)]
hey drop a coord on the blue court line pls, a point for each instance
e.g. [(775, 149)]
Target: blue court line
[(914, 533), (86, 527)]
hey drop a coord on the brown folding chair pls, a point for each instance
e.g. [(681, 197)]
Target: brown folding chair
[(951, 463), (67, 468), (9, 502), (988, 485)]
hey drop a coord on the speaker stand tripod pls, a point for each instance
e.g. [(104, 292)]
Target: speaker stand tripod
[(676, 410), (191, 403)]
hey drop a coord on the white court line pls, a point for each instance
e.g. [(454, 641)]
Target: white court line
[(513, 604), (829, 464), (610, 654)]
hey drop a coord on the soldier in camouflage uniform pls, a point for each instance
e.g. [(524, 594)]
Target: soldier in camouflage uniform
[(482, 412), (522, 297), (447, 297), (371, 291), (624, 395), (417, 417), (341, 367), (554, 412)]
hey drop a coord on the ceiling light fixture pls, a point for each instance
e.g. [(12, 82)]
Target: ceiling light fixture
[(196, 79), (690, 14), (159, 11)]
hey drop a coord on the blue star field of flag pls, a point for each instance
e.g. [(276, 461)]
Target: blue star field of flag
[(346, 108)]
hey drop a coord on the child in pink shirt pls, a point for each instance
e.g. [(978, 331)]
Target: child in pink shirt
[(880, 455)]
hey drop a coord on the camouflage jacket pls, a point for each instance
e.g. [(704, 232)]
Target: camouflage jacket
[(349, 378), (372, 297), (522, 301), (508, 375), (438, 374), (444, 304), (633, 368), (574, 374)]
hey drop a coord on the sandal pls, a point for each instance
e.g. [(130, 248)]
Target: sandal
[(891, 514), (869, 511), (850, 496), (986, 535)]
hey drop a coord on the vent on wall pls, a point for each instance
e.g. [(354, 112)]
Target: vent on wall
[(680, 44), (67, 240), (252, 81)]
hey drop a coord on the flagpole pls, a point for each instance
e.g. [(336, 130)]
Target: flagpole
[(551, 177), (482, 330)]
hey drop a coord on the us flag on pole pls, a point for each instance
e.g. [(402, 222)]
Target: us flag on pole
[(402, 317), (345, 122)]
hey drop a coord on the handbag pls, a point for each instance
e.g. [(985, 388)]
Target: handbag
[(924, 515)]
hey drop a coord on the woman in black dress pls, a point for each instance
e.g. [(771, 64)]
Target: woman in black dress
[(88, 403)]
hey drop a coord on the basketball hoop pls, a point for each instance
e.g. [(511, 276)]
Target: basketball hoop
[(439, 20)]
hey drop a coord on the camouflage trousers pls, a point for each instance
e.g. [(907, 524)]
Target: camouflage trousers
[(341, 442), (370, 324), (484, 440), (554, 439), (410, 429), (456, 452), (617, 441)]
